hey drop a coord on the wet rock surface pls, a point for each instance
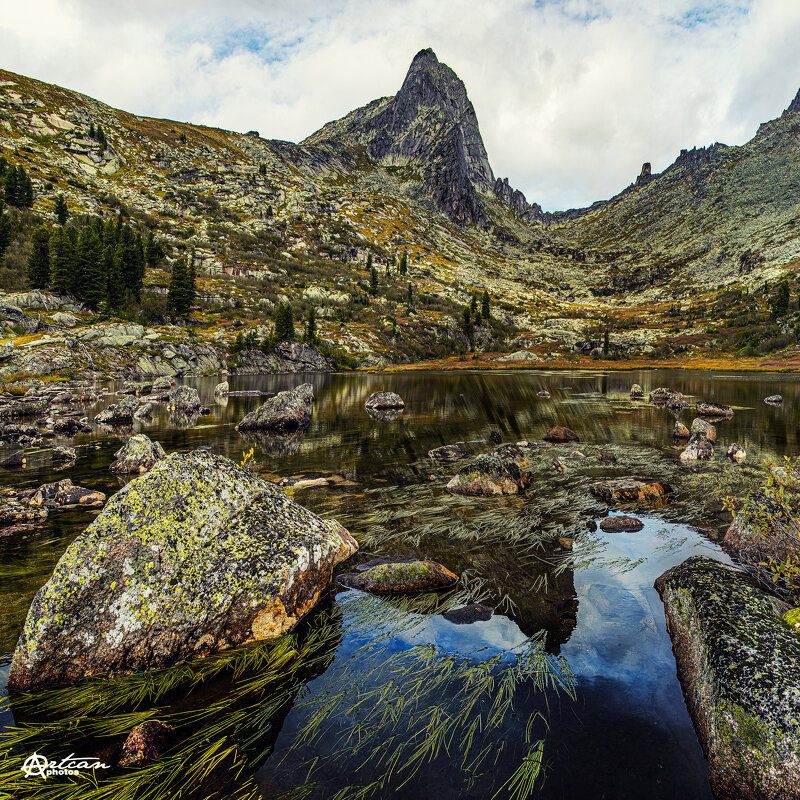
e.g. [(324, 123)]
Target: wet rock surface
[(145, 743), (502, 471), (406, 577), (560, 435), (184, 400), (384, 401), (466, 615), (447, 452), (285, 411), (739, 667), (196, 556), (643, 491), (621, 524), (705, 409), (138, 454), (119, 413)]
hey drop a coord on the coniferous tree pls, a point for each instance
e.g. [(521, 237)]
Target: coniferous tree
[(91, 130), (410, 294), (89, 283), (486, 305), (60, 209), (61, 261), (37, 275), (606, 344), (5, 230), (404, 263), (26, 189), (11, 187), (191, 284), (473, 306), (154, 251), (113, 259), (780, 305), (176, 293), (284, 323), (311, 327), (373, 279)]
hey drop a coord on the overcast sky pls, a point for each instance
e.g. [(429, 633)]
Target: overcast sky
[(572, 96)]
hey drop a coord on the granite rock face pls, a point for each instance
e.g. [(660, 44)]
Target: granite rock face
[(739, 666), (288, 410), (196, 556)]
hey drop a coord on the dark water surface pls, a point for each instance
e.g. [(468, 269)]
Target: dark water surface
[(618, 728)]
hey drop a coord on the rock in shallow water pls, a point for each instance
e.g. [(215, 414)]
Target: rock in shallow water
[(559, 434), (288, 410), (739, 666), (621, 524), (406, 577), (138, 454), (145, 743), (381, 401), (447, 452), (713, 409), (632, 490), (502, 471), (119, 413), (196, 556), (184, 400)]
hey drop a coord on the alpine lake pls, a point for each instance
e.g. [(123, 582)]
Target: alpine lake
[(568, 690)]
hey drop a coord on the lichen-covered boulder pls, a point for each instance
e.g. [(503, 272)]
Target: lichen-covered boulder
[(643, 491), (184, 400), (221, 389), (559, 434), (698, 448), (636, 392), (138, 454), (196, 556), (405, 577), (704, 409), (736, 452), (382, 401), (144, 412), (502, 471), (703, 428), (447, 452), (739, 666), (119, 413), (288, 410)]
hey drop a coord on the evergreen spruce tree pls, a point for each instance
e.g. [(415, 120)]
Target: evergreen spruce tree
[(369, 262), (113, 258), (486, 305), (25, 189), (5, 230), (61, 261), (780, 304), (154, 252), (606, 343), (10, 187), (60, 209), (410, 295), (190, 290), (311, 327), (284, 323), (473, 306), (176, 293), (91, 130), (373, 279), (89, 280), (238, 345), (404, 263), (37, 275)]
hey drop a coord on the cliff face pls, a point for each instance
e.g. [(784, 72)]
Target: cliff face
[(429, 125)]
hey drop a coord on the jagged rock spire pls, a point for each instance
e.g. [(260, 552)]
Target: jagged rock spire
[(794, 106)]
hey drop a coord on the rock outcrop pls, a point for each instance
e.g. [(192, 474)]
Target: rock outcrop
[(739, 666), (286, 411), (196, 556)]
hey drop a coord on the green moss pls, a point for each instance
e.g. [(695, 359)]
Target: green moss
[(792, 619), (400, 573)]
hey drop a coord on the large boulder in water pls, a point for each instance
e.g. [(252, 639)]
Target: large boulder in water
[(288, 410), (138, 454), (502, 471), (383, 401), (704, 409), (739, 666), (196, 556), (119, 414), (184, 400)]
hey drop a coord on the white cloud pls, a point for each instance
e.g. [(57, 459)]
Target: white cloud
[(572, 95)]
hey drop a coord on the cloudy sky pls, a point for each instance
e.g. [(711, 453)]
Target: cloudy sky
[(572, 95)]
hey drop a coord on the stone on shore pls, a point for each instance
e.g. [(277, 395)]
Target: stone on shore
[(739, 667), (501, 471), (384, 401), (138, 454), (406, 577), (288, 410), (196, 556), (559, 435), (643, 491)]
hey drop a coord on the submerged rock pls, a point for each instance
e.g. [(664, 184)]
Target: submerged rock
[(64, 454), (65, 493), (736, 452), (382, 401), (447, 452), (704, 409), (13, 459), (739, 666), (495, 437), (605, 457), (559, 434), (501, 471), (621, 524), (286, 411), (138, 454), (466, 615), (632, 490), (196, 556), (69, 426), (145, 743), (405, 577)]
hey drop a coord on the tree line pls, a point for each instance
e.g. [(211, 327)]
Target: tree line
[(16, 188)]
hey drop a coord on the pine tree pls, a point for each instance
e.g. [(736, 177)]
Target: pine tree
[(473, 306), (60, 209), (176, 293), (780, 305), (373, 278), (37, 275), (25, 189), (91, 130), (311, 327), (284, 323), (61, 261), (606, 343), (11, 187), (154, 252), (404, 263), (5, 230), (113, 258), (89, 279), (190, 290), (466, 323), (410, 295), (486, 305)]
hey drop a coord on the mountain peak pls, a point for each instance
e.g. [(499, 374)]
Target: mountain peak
[(425, 56), (794, 106)]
